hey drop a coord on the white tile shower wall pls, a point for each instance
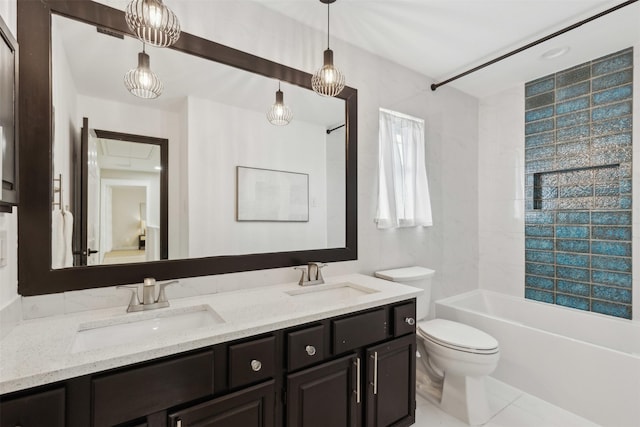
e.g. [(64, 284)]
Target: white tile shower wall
[(501, 190), (451, 245)]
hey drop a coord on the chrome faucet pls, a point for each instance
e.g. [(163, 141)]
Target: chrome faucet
[(311, 274), (149, 299)]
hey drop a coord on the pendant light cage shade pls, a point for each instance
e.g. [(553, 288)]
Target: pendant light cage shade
[(328, 80), (279, 114), (153, 22), (141, 81)]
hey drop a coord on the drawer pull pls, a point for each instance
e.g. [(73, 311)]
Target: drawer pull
[(358, 380), (256, 365), (374, 356), (311, 350), (410, 321)]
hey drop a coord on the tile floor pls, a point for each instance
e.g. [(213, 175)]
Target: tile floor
[(512, 408)]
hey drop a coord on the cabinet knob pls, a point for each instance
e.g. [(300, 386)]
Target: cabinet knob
[(256, 365), (311, 350), (410, 321)]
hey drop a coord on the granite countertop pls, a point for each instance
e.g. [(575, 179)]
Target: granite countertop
[(43, 351)]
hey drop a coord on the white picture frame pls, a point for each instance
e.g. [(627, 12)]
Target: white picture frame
[(271, 195)]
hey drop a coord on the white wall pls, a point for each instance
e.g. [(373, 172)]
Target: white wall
[(450, 246), (501, 189), (150, 180), (126, 216), (223, 137), (66, 132), (336, 189)]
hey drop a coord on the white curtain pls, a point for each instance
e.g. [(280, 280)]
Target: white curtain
[(403, 191)]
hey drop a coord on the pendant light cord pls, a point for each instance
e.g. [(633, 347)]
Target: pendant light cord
[(328, 24)]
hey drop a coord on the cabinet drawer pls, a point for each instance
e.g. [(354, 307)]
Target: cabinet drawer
[(305, 347), (44, 409), (249, 407), (359, 330), (404, 319), (137, 392), (251, 361)]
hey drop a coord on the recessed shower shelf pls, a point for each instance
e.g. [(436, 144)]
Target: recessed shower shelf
[(577, 188)]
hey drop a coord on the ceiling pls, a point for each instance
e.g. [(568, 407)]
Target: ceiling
[(97, 63), (129, 156), (441, 38)]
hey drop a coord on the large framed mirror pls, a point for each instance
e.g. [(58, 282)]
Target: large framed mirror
[(212, 117)]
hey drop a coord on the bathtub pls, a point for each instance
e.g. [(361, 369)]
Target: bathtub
[(584, 362)]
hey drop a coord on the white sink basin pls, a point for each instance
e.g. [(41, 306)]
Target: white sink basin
[(334, 292), (145, 325)]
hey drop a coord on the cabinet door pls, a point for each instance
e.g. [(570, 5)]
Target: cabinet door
[(45, 409), (391, 378), (250, 407), (325, 395)]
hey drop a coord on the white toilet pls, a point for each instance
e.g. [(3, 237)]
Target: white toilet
[(453, 359)]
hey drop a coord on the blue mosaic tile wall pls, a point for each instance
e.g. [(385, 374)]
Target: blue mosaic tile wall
[(578, 147)]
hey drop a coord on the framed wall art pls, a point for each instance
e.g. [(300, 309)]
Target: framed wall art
[(271, 195)]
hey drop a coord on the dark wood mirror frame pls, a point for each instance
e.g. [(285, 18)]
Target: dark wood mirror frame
[(35, 276)]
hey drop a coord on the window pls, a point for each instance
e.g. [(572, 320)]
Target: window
[(403, 190)]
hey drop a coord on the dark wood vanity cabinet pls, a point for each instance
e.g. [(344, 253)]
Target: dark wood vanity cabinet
[(38, 409), (356, 370), (372, 386)]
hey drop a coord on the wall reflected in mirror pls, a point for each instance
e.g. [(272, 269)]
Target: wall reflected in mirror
[(214, 118)]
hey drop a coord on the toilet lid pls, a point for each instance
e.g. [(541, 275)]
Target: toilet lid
[(457, 336), (405, 274)]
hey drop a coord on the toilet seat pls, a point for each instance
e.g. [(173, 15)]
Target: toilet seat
[(457, 336)]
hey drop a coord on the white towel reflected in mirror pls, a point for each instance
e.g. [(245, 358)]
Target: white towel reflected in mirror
[(61, 239)]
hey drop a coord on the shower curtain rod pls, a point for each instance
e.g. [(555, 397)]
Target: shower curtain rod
[(435, 86), (335, 128)]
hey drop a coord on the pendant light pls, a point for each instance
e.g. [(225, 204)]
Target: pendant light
[(153, 22), (141, 81), (279, 114), (328, 80)]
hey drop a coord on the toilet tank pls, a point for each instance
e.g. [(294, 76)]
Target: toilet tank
[(418, 277)]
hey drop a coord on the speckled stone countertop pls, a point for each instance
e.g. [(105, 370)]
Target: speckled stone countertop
[(41, 351)]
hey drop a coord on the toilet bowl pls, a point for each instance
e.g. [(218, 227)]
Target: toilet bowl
[(453, 359)]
